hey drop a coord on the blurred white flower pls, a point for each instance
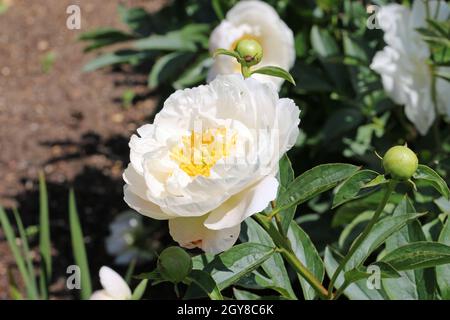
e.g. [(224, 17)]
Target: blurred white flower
[(124, 233), (210, 159), (253, 20), (402, 64), (114, 286)]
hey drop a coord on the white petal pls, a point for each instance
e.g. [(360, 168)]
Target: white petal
[(101, 295), (191, 233), (243, 205), (142, 206), (114, 284)]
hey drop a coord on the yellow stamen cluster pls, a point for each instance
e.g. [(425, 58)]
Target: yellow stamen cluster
[(200, 151)]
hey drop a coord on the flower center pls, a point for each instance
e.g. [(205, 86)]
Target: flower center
[(199, 151)]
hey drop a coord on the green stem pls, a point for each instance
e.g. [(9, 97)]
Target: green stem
[(363, 236), (284, 246), (300, 268), (245, 71)]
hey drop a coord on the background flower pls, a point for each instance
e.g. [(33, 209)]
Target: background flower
[(237, 130), (127, 239), (403, 66), (253, 20)]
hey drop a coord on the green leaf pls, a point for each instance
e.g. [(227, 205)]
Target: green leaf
[(11, 238), (229, 266), (355, 48), (428, 176), (274, 266), (217, 9), (443, 271), (226, 52), (204, 281), (380, 179), (418, 255), (195, 73), (413, 284), (139, 290), (353, 229), (184, 39), (44, 236), (306, 252), (314, 182), (357, 290), (167, 67), (380, 232), (275, 72), (78, 247), (323, 43), (118, 57), (350, 188), (246, 295), (137, 19), (199, 262), (104, 37), (286, 177)]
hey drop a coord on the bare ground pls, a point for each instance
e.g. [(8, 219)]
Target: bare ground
[(65, 122)]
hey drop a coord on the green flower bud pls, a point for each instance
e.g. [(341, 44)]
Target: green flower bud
[(250, 51), (400, 162), (174, 264)]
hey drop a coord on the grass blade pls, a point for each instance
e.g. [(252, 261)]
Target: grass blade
[(11, 238), (78, 247), (26, 249), (44, 227)]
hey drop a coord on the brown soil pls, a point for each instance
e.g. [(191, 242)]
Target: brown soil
[(65, 122)]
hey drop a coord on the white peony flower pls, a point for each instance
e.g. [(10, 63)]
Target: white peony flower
[(406, 77), (253, 20), (210, 159), (114, 287)]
